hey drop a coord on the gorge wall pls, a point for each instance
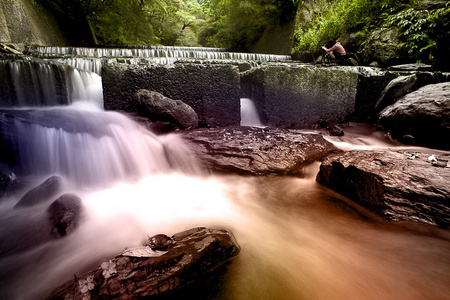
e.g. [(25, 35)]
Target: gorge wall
[(22, 22)]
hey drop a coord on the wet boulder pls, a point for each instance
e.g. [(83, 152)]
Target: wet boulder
[(257, 151), (421, 117), (139, 272), (395, 185), (398, 87), (64, 214), (46, 191), (157, 107)]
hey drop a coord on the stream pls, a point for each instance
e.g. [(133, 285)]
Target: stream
[(299, 240)]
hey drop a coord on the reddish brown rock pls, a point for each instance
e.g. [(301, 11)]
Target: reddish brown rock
[(195, 252), (395, 185)]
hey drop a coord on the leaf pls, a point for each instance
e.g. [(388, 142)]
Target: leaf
[(142, 252)]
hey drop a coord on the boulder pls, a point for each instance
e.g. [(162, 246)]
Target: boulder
[(257, 151), (421, 117), (395, 185), (64, 214), (157, 107), (212, 90), (411, 67), (142, 272), (398, 87), (42, 193), (300, 96)]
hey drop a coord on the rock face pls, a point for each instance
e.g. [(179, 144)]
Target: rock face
[(258, 151), (421, 117), (213, 91), (159, 108), (43, 192), (370, 88), (195, 253), (301, 96), (396, 186), (64, 214), (21, 22), (382, 46)]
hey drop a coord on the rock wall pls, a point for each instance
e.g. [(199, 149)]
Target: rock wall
[(301, 96), (22, 22), (211, 90)]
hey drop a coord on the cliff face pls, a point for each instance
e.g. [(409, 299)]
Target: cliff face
[(23, 22)]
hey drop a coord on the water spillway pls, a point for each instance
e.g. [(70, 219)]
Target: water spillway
[(90, 58), (154, 52)]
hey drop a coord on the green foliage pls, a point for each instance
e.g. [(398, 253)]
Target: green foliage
[(421, 30), (127, 22), (238, 24), (338, 17)]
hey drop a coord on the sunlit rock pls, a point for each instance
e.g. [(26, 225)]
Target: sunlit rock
[(395, 185), (258, 151), (196, 252)]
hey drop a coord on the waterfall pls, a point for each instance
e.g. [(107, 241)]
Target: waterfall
[(90, 58), (249, 114), (151, 52), (46, 83), (87, 145)]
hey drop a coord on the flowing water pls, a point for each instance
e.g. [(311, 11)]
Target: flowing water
[(299, 240)]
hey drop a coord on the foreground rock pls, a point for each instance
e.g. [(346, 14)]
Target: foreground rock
[(395, 185), (193, 253), (258, 151), (421, 117)]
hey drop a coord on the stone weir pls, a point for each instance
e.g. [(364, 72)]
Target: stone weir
[(288, 95), (160, 51), (212, 90)]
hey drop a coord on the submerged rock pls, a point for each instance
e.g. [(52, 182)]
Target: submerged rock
[(421, 117), (43, 192), (395, 185), (258, 151), (64, 214), (197, 252), (157, 107)]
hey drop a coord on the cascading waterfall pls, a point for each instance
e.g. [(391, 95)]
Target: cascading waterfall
[(90, 58), (249, 114), (46, 83), (299, 240)]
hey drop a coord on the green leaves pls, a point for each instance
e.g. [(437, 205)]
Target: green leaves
[(420, 30)]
